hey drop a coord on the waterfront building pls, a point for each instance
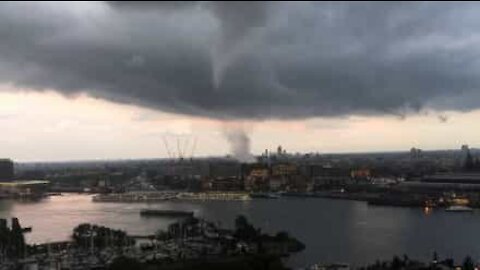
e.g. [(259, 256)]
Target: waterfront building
[(224, 169), (299, 183), (257, 179), (284, 169), (361, 174), (327, 177), (444, 182), (24, 189), (277, 184), (6, 170), (224, 184), (453, 178)]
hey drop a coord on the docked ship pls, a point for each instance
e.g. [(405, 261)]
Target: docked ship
[(264, 195), (458, 208), (165, 213), (396, 201), (334, 266), (135, 197), (214, 196)]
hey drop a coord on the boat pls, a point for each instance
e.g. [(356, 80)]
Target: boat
[(214, 196), (134, 197), (262, 195), (165, 213), (296, 194), (395, 201), (333, 266), (458, 208), (51, 194)]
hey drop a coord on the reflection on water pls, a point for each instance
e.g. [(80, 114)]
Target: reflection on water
[(427, 210), (333, 230)]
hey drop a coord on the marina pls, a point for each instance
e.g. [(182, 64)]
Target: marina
[(187, 242), (330, 225)]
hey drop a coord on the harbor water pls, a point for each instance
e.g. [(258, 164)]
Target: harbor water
[(332, 230)]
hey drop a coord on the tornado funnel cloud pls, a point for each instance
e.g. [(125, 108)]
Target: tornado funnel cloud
[(242, 61)]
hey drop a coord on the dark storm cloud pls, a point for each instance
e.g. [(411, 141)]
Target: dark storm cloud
[(240, 60)]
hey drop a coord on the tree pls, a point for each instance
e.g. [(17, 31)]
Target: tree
[(81, 234), (162, 235), (468, 263), (12, 241), (241, 222), (125, 263), (84, 235), (405, 259), (449, 262), (469, 164), (476, 164), (17, 239), (396, 263), (244, 230), (282, 236), (435, 257)]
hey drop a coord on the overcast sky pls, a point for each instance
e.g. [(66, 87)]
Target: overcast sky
[(115, 80)]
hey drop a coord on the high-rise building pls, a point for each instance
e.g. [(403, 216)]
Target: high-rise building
[(6, 170), (465, 153)]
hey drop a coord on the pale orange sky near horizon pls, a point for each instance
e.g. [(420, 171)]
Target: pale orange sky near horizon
[(46, 126)]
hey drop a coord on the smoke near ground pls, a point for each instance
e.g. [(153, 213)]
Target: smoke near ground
[(249, 61), (237, 137)]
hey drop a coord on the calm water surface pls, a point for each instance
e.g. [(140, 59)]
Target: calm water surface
[(333, 230)]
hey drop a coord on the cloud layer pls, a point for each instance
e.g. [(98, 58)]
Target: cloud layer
[(249, 61)]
